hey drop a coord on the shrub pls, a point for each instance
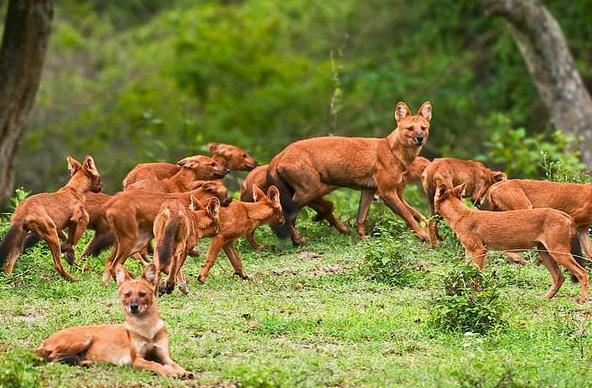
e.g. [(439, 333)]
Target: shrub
[(17, 370), (469, 303)]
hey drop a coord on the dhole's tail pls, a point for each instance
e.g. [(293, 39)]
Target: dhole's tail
[(165, 244), (289, 207), (31, 239), (99, 243), (12, 243)]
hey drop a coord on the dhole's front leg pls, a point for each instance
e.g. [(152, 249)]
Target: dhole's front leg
[(47, 230), (366, 197), (163, 370), (76, 228), (252, 242), (395, 203), (232, 255), (215, 246)]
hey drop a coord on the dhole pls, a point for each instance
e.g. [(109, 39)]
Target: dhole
[(47, 214), (232, 157), (141, 341), (131, 216), (177, 229), (547, 229), (198, 169), (324, 208), (240, 219), (572, 198), (309, 169)]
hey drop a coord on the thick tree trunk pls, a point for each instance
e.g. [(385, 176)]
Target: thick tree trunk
[(551, 66), (26, 33)]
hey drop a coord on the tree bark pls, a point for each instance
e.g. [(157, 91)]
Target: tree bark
[(26, 34), (551, 65)]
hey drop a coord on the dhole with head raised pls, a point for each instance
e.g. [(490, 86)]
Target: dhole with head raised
[(574, 199), (177, 229), (47, 214), (233, 158), (309, 169), (131, 215), (142, 341), (548, 230), (240, 219)]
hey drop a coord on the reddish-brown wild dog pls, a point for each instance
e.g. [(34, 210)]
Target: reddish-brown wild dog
[(142, 341), (234, 158), (177, 229), (574, 199), (131, 215), (308, 169), (47, 214), (548, 230), (240, 219)]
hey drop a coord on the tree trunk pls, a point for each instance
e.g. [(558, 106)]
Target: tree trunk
[(551, 66), (26, 33)]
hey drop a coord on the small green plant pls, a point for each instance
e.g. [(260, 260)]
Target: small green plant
[(469, 301), (17, 370), (391, 256)]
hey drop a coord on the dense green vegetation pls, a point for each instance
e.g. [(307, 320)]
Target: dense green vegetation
[(318, 315), (138, 80)]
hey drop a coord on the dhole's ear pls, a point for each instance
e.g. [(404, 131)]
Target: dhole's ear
[(273, 194), (425, 110), (209, 186), (194, 204), (442, 191), (89, 164), (459, 190), (188, 162), (499, 176), (149, 274), (121, 275), (213, 207), (73, 165), (258, 194), (213, 147), (401, 111)]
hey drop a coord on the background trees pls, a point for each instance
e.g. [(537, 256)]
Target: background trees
[(146, 80)]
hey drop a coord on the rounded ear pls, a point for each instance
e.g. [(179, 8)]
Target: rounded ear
[(425, 110), (89, 164), (442, 191), (401, 111), (185, 161), (499, 176), (208, 186), (213, 147), (193, 204), (149, 274), (273, 194), (213, 207), (73, 165), (258, 194), (121, 275)]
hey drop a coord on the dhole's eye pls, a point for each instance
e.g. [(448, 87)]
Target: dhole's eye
[(423, 128), (127, 294), (409, 128), (141, 294)]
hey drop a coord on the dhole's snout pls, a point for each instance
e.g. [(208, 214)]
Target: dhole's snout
[(419, 140), (134, 307)]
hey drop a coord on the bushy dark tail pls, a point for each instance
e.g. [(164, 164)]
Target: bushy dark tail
[(289, 207), (11, 243), (31, 239), (165, 245), (99, 242)]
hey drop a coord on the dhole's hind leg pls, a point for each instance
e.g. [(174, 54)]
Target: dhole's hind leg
[(76, 228), (68, 347), (585, 243), (324, 208), (561, 254), (366, 197), (232, 255), (253, 242), (553, 268), (515, 257), (48, 232)]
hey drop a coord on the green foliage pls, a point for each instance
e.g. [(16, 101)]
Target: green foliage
[(522, 154), (469, 302), (389, 256), (17, 370)]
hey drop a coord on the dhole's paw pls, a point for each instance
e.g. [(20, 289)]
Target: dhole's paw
[(201, 279), (582, 300), (184, 289), (68, 252), (186, 375), (244, 276)]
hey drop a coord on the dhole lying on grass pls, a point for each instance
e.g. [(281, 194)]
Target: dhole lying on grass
[(177, 229), (309, 169), (142, 341), (131, 216), (324, 208), (548, 230), (240, 219), (572, 198), (233, 158), (47, 214), (199, 169)]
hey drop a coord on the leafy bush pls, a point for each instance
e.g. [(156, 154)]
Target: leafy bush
[(17, 370), (469, 303), (391, 256)]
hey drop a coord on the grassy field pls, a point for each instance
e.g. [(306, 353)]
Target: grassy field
[(310, 316)]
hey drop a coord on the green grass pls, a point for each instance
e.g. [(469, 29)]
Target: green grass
[(310, 316)]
